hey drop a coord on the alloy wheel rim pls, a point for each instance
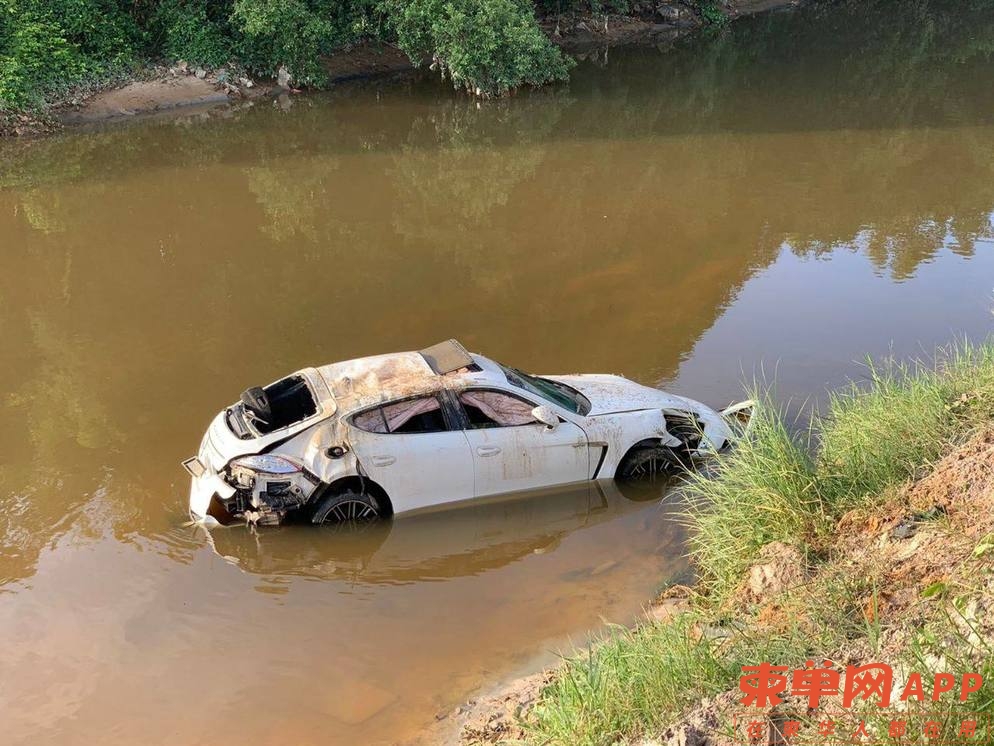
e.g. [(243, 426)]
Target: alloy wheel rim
[(351, 511)]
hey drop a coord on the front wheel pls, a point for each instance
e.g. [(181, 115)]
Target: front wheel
[(347, 507), (647, 463)]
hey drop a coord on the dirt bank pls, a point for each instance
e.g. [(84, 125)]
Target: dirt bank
[(145, 97), (919, 560), (183, 86)]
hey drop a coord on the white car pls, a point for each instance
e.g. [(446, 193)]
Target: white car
[(389, 434)]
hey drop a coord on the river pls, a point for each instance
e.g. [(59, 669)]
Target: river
[(774, 202)]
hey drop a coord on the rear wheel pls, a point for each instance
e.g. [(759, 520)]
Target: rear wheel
[(347, 507), (648, 463)]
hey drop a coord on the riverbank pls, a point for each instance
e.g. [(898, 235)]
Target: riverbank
[(155, 88), (876, 546)]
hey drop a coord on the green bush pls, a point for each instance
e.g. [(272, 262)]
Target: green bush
[(46, 47), (36, 57), (485, 46), (103, 30), (284, 32), (712, 14), (183, 30), (582, 6)]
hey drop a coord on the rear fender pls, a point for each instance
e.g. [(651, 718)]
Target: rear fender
[(324, 451)]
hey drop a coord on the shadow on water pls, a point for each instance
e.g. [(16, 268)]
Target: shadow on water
[(432, 546)]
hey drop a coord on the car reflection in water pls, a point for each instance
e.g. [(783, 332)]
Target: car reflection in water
[(451, 542)]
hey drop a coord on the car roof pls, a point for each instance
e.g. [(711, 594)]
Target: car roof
[(366, 381)]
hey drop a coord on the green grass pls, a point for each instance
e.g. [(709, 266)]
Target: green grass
[(875, 435), (633, 680), (765, 490), (778, 486), (903, 420), (636, 681)]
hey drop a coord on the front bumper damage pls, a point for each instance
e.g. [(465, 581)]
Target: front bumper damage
[(240, 494), (203, 489), (739, 416)]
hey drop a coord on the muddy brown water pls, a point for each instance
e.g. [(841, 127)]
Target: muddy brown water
[(777, 200)]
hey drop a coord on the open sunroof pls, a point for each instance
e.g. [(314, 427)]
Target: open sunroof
[(447, 356)]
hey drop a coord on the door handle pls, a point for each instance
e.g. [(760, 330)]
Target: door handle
[(488, 450), (383, 460)]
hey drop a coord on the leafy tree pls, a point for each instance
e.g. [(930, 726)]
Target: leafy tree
[(486, 46), (47, 45), (283, 32), (193, 30)]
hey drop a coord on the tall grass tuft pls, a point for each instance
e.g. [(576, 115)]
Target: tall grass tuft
[(631, 681), (764, 490), (892, 429), (882, 434), (875, 435)]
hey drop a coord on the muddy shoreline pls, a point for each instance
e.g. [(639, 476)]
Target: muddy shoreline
[(160, 90), (497, 713)]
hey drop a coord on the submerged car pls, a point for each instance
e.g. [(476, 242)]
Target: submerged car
[(388, 434)]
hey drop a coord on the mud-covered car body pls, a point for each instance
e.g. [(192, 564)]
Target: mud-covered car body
[(413, 430)]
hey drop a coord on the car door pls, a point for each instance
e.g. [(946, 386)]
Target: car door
[(513, 451), (415, 450)]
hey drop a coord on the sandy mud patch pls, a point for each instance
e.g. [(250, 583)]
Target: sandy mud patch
[(146, 97)]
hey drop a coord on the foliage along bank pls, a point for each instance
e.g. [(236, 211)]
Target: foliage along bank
[(48, 47)]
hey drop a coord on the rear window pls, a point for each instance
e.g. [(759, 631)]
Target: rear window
[(421, 415), (290, 401)]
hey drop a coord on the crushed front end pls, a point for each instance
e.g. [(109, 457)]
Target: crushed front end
[(267, 488), (261, 490), (236, 475)]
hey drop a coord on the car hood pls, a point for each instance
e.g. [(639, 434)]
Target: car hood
[(609, 394)]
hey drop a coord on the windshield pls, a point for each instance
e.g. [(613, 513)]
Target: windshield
[(552, 391)]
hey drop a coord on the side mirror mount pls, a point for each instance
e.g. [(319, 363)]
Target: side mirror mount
[(546, 416)]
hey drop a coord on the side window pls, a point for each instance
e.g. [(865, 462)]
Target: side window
[(421, 415), (495, 409)]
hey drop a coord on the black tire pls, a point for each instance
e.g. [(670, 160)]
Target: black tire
[(347, 507), (648, 463)]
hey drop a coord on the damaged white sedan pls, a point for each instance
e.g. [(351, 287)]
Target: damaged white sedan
[(384, 435)]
